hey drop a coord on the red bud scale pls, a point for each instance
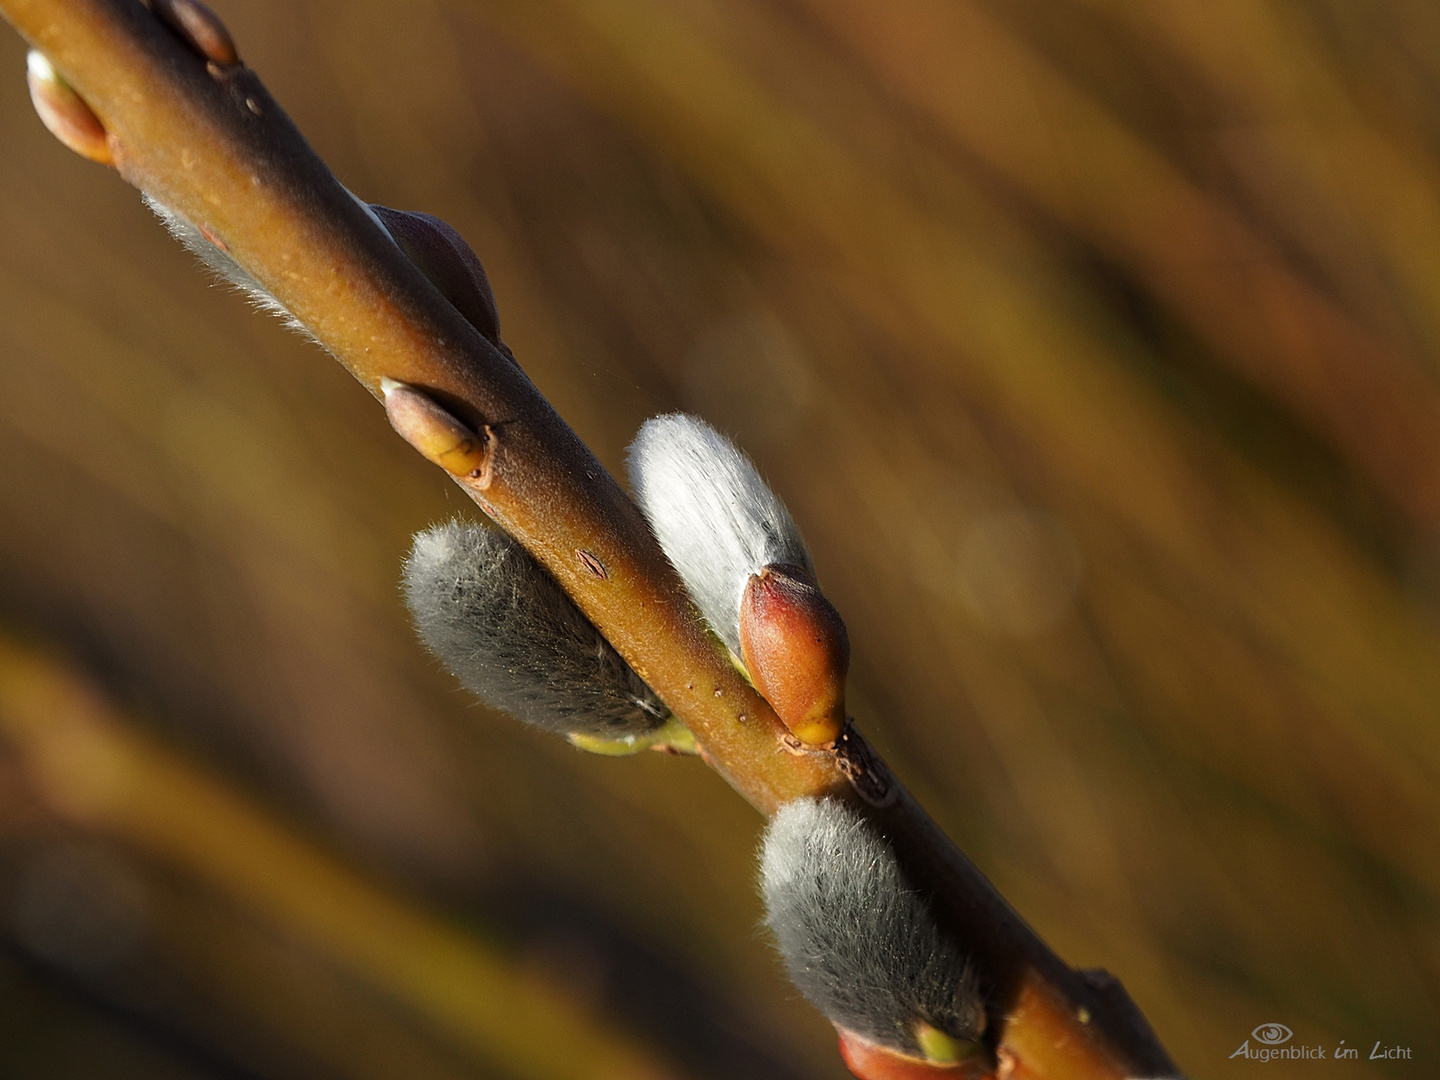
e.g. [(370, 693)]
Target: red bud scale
[(795, 647)]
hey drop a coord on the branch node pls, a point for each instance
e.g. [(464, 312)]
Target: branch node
[(590, 561), (865, 770)]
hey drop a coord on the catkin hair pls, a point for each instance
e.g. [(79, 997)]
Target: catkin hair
[(503, 626), (219, 263), (223, 266), (714, 516), (857, 941)]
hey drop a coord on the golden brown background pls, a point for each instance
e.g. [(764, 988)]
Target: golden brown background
[(1095, 345)]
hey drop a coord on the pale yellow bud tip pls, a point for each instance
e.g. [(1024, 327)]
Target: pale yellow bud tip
[(942, 1049), (439, 436), (672, 737), (871, 1061)]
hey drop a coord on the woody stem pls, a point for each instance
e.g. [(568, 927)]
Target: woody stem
[(208, 141)]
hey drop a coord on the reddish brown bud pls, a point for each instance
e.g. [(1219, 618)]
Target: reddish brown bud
[(870, 1061), (64, 112), (443, 256), (198, 27), (794, 644)]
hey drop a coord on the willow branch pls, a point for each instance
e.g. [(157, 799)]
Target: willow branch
[(207, 140)]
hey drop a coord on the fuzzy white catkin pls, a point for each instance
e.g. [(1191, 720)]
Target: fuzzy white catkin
[(714, 516), (509, 632), (856, 940)]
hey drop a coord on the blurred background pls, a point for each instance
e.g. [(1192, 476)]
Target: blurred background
[(1095, 345)]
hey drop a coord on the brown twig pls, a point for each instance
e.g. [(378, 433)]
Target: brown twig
[(204, 137)]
